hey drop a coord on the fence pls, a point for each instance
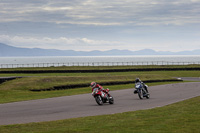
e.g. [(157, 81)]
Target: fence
[(96, 64)]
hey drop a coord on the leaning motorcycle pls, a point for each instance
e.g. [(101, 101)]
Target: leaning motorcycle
[(141, 91), (101, 97)]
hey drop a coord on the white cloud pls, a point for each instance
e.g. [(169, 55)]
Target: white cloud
[(102, 12), (100, 24)]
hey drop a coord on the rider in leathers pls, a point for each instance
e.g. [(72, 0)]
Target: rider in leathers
[(145, 86), (95, 85)]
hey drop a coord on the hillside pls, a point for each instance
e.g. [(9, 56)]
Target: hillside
[(6, 51)]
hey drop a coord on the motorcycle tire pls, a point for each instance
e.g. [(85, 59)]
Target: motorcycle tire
[(140, 93), (111, 100), (148, 96), (99, 100)]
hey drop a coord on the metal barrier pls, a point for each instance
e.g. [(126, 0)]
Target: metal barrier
[(96, 64)]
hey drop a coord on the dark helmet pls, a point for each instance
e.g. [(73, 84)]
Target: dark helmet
[(93, 84), (137, 80)]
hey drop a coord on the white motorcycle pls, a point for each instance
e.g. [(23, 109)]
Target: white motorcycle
[(141, 91)]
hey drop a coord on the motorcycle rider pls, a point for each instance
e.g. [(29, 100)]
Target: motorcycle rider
[(95, 85), (144, 85)]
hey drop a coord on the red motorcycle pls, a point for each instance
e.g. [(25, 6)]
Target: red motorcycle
[(102, 97)]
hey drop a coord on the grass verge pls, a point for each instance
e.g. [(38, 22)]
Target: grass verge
[(181, 117), (18, 90)]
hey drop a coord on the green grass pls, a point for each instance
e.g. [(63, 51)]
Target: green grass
[(181, 117), (43, 82), (22, 95), (167, 73), (18, 90)]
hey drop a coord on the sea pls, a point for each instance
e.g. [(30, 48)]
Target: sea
[(45, 61)]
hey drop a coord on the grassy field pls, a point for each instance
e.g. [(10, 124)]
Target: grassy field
[(22, 95), (106, 74), (19, 89), (182, 117)]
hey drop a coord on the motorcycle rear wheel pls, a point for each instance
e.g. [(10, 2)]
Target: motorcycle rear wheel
[(111, 100)]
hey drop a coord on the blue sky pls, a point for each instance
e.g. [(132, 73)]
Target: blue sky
[(85, 25)]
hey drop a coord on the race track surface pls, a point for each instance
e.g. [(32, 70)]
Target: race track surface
[(85, 105)]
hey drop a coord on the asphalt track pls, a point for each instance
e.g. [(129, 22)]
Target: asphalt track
[(84, 105)]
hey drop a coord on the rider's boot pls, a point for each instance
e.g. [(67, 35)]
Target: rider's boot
[(109, 96), (135, 92)]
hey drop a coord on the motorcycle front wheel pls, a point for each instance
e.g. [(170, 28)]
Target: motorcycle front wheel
[(99, 100), (140, 93)]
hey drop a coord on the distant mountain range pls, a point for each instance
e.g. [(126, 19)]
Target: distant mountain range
[(7, 51)]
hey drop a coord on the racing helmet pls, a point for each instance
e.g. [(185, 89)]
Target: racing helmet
[(93, 84), (137, 80)]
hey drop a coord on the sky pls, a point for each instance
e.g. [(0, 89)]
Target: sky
[(86, 25)]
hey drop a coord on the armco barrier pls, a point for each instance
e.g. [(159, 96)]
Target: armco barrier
[(4, 79)]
